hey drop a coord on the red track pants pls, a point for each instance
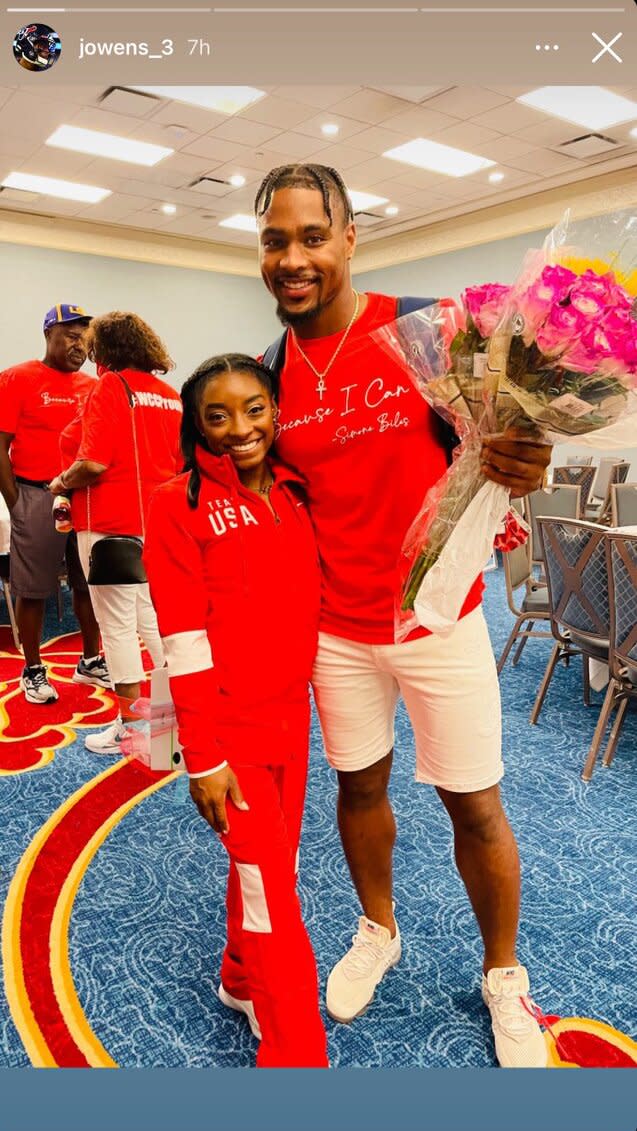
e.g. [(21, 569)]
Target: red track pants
[(268, 957)]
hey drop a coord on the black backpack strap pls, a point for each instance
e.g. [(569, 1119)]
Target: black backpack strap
[(273, 360), (445, 432)]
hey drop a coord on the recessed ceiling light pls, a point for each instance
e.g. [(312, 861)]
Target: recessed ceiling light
[(633, 133), (392, 210), (169, 209), (591, 106), (241, 221), (108, 145), (51, 186), (330, 129), (495, 178), (425, 154), (237, 180), (362, 200), (223, 99)]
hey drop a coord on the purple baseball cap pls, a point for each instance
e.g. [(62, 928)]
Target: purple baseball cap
[(64, 312)]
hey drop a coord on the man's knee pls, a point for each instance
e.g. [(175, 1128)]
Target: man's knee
[(364, 789), (478, 815)]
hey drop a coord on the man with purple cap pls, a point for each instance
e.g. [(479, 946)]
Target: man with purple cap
[(37, 401)]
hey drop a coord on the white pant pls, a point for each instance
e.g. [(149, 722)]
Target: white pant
[(122, 611), (449, 686)]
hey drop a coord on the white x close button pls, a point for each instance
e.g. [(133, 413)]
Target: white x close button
[(607, 48)]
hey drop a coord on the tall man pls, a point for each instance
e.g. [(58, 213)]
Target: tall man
[(37, 400), (354, 426)]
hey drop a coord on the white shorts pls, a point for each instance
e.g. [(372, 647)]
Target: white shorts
[(450, 689)]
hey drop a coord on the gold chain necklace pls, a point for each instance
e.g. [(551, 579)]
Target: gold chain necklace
[(321, 387)]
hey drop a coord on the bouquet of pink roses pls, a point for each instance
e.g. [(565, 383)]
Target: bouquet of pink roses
[(555, 355)]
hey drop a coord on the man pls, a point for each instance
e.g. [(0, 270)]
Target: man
[(37, 400), (368, 445)]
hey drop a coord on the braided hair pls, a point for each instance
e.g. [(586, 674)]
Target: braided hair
[(191, 395), (320, 177)]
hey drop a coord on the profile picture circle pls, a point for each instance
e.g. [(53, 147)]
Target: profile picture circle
[(36, 47)]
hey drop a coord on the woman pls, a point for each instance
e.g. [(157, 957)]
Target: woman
[(234, 576), (125, 443)]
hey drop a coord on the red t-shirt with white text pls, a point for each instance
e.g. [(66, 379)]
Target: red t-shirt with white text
[(36, 404), (107, 438), (369, 454)]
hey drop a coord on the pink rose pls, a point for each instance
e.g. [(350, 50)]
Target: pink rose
[(485, 306), (561, 329), (536, 302)]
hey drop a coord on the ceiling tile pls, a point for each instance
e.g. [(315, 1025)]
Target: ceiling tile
[(364, 176), (466, 101), (509, 118), (348, 127), (544, 162), (340, 157), (245, 132), (92, 118), (195, 118), (116, 207), (120, 100), (34, 116), (273, 111), (377, 139), (551, 131), (49, 162), (214, 148), (502, 148), (370, 106), (295, 147), (319, 97), (466, 135), (420, 122), (410, 93)]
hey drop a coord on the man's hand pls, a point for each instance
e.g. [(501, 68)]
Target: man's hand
[(514, 460), (209, 795), (56, 486)]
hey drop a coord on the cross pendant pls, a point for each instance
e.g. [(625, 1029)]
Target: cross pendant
[(321, 387)]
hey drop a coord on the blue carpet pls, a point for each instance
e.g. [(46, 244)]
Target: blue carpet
[(147, 927)]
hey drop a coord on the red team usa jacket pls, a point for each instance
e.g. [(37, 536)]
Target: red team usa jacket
[(237, 594)]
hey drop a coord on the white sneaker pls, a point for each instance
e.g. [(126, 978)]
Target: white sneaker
[(34, 682), (107, 741), (519, 1042), (351, 985), (241, 1007)]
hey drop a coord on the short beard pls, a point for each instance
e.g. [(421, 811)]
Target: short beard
[(290, 318)]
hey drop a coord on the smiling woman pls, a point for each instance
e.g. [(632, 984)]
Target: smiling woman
[(233, 538)]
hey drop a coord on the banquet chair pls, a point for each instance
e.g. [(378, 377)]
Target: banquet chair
[(562, 501), (621, 558), (6, 590), (623, 504), (599, 510), (533, 606), (577, 583), (577, 476)]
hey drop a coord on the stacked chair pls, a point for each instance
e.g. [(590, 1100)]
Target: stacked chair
[(621, 558), (623, 504), (610, 472), (577, 475)]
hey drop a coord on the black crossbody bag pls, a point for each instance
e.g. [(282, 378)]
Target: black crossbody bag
[(117, 558)]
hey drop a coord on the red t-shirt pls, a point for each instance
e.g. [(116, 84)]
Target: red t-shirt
[(107, 438), (36, 404), (369, 454), (70, 440)]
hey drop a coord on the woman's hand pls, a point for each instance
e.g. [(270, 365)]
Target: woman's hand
[(515, 460), (209, 795)]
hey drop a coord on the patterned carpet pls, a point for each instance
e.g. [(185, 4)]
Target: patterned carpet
[(138, 951)]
